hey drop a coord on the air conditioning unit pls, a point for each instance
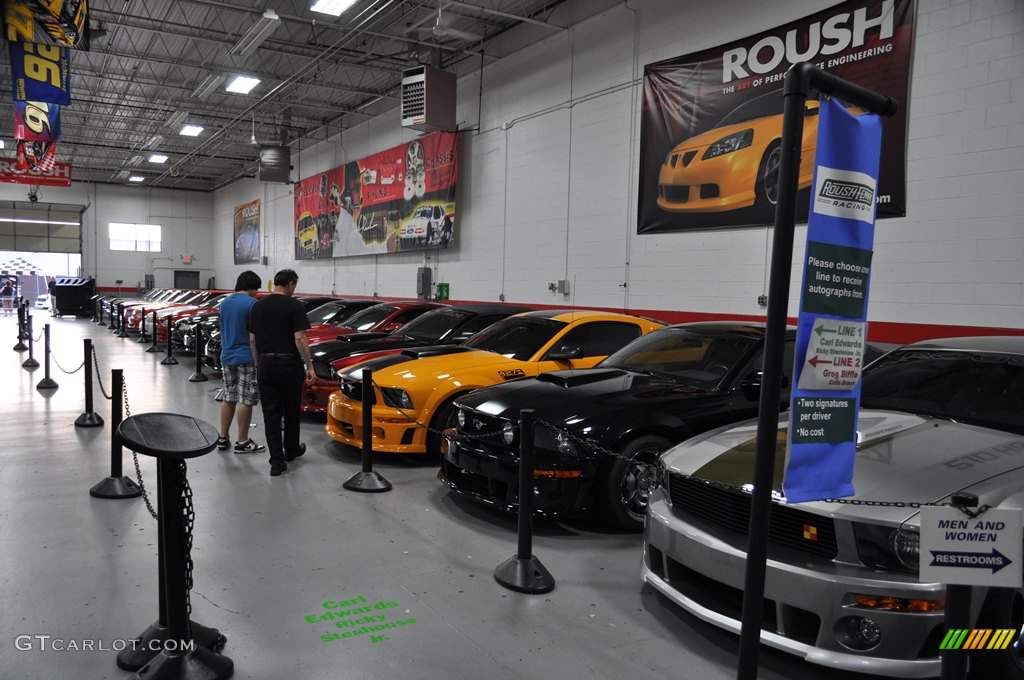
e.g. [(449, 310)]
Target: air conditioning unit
[(428, 99)]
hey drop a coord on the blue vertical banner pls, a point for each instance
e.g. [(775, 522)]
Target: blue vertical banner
[(40, 73), (832, 326)]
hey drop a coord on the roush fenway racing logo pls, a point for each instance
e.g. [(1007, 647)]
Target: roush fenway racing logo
[(57, 176), (847, 191), (845, 194)]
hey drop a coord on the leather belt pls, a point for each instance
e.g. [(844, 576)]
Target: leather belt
[(273, 355)]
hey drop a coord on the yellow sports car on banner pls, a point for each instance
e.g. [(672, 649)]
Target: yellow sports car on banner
[(421, 385)]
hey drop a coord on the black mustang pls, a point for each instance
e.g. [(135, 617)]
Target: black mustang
[(660, 389)]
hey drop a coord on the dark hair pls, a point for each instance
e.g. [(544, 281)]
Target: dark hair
[(248, 280), (285, 276)]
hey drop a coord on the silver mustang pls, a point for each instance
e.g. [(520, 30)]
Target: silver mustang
[(842, 586)]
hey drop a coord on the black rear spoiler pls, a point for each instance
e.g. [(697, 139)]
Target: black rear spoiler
[(435, 351)]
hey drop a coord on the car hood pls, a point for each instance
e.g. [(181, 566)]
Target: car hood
[(332, 350), (570, 395), (454, 365), (714, 134), (900, 457)]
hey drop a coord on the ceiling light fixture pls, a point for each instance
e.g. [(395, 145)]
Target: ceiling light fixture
[(332, 7), (136, 178), (18, 220), (157, 158), (1, 143), (242, 84), (176, 119), (191, 130), (135, 160), (121, 174), (208, 85), (155, 140), (256, 34)]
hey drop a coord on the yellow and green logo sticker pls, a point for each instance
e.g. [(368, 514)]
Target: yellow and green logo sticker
[(979, 638)]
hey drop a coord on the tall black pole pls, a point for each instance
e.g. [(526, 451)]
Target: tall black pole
[(20, 346), (116, 485), (31, 361), (152, 349), (143, 335), (113, 316), (47, 383), (88, 418), (366, 480), (198, 376), (169, 360), (122, 331)]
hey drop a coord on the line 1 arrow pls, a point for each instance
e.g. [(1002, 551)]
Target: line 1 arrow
[(814, 361), (970, 560), (821, 329)]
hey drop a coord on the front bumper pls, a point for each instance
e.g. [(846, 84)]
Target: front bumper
[(493, 479), (805, 603), (316, 397), (392, 431)]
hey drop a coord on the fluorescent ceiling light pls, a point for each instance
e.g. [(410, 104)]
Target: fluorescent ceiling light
[(21, 221), (242, 84), (155, 140), (176, 119), (134, 160), (208, 85), (1, 143), (157, 158), (256, 34), (332, 7), (136, 178), (121, 174), (191, 130)]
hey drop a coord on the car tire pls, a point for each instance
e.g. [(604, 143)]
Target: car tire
[(444, 419), (1003, 608), (766, 187), (621, 482)]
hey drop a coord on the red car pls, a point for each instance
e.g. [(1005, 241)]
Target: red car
[(136, 312), (383, 318)]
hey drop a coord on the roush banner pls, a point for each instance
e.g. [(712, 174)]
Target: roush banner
[(397, 200), (246, 228), (832, 326), (57, 175), (36, 122), (40, 73), (711, 122), (48, 22)]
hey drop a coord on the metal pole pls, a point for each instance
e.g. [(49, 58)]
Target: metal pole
[(20, 346), (366, 480), (113, 314), (123, 329), (143, 336), (169, 360), (88, 418), (116, 485), (99, 310), (31, 361), (47, 383), (198, 376), (152, 349)]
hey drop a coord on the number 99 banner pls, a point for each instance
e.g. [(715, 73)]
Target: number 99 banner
[(40, 73)]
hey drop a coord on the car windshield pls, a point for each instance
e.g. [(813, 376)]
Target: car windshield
[(981, 388), (434, 326), (326, 313), (516, 337), (214, 302), (369, 317), (700, 359)]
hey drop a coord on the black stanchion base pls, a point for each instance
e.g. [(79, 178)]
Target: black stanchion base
[(144, 339), (47, 384), (116, 487), (198, 377), (524, 576), (152, 349), (367, 482), (20, 347), (199, 664), (89, 419), (30, 363), (148, 644), (169, 361)]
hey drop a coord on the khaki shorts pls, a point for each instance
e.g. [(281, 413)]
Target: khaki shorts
[(240, 384)]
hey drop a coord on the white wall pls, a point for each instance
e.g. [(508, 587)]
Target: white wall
[(548, 191), (186, 218)]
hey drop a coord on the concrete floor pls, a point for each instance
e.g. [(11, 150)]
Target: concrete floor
[(269, 551)]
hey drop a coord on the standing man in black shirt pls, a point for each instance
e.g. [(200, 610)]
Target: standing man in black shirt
[(277, 334)]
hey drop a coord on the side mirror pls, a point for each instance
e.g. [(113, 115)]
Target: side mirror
[(750, 385), (390, 327), (566, 353), (460, 338)]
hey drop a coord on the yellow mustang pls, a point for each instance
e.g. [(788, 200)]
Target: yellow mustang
[(421, 383)]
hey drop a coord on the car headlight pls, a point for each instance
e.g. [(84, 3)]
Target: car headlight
[(566, 446), (461, 416), (323, 370), (891, 548), (396, 398), (508, 433), (733, 142)]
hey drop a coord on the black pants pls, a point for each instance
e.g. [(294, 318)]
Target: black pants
[(280, 382)]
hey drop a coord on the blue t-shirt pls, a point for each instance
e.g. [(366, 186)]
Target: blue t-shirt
[(234, 338)]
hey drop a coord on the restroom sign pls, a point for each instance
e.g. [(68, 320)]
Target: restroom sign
[(983, 551), (834, 356)]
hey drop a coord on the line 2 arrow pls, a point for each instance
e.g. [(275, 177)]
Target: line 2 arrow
[(970, 560), (814, 361), (821, 329)]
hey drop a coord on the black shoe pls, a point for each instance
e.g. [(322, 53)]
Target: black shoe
[(223, 443), (297, 454), (276, 470)]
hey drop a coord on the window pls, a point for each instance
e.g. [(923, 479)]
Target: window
[(138, 237), (599, 338)]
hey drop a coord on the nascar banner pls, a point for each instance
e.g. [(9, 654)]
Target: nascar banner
[(36, 122), (48, 22), (831, 327), (397, 200), (40, 73), (247, 232), (57, 175), (711, 122)]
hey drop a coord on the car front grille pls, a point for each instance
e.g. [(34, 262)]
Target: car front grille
[(676, 194), (789, 528), (353, 389), (486, 433)]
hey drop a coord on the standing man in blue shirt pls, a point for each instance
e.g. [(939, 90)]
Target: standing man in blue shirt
[(238, 364)]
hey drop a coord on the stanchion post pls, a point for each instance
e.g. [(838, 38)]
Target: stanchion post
[(143, 336), (123, 324), (47, 383), (116, 485), (22, 319), (169, 360), (31, 361), (153, 349), (21, 347), (523, 572), (113, 316), (99, 311), (88, 418), (958, 608), (198, 376), (366, 480)]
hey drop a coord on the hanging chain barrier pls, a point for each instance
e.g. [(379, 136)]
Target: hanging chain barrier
[(135, 455), (589, 444), (64, 370), (99, 374), (187, 519)]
